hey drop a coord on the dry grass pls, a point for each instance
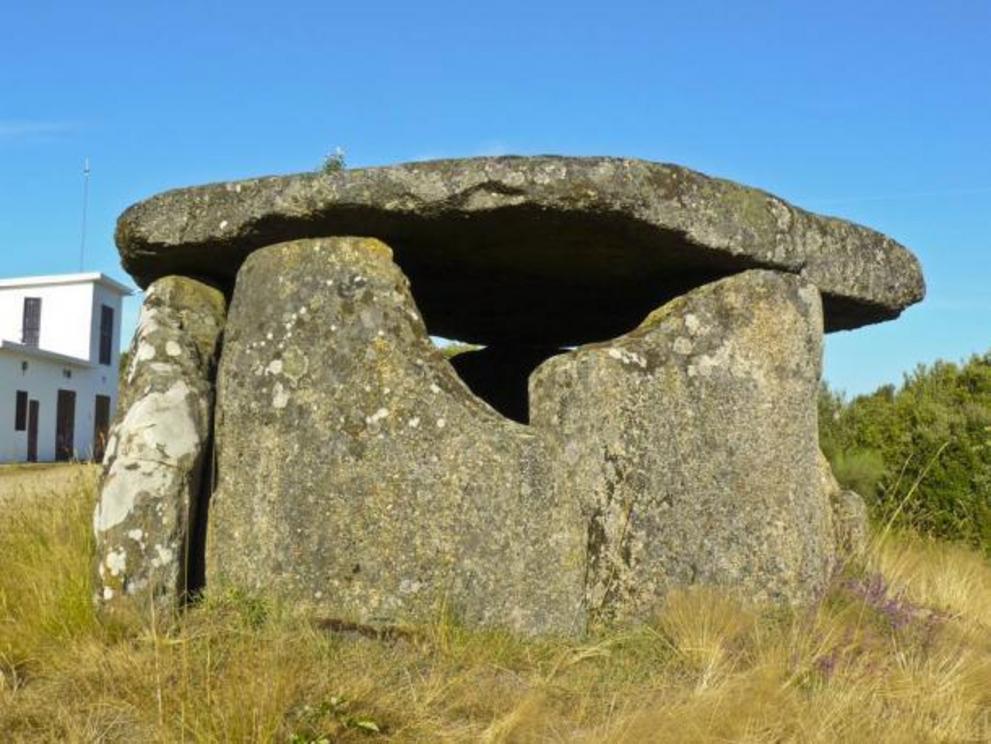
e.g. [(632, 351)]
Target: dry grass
[(905, 658), (38, 479)]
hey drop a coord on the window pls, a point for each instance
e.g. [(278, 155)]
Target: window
[(31, 326), (106, 335), (21, 412)]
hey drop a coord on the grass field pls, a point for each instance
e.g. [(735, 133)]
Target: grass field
[(899, 651), (37, 480)]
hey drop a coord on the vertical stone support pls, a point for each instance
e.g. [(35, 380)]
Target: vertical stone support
[(357, 474), (156, 462), (692, 443)]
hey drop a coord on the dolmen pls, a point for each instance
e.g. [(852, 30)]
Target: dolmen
[(641, 415)]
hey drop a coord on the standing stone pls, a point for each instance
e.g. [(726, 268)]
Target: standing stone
[(156, 459), (692, 442), (357, 474), (851, 527)]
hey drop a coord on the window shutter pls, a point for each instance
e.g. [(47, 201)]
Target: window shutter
[(21, 411), (106, 335), (31, 327)]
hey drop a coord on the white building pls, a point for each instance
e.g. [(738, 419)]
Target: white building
[(59, 357)]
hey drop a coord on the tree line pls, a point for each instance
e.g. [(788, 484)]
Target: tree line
[(919, 453)]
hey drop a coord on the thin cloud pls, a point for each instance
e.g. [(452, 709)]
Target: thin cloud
[(24, 129)]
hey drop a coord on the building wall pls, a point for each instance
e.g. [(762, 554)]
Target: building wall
[(70, 325), (42, 380), (66, 326)]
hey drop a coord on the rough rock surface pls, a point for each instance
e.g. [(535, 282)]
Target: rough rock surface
[(850, 522), (155, 459), (356, 472), (589, 245), (692, 442)]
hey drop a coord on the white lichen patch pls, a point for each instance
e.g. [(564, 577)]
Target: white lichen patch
[(111, 449), (280, 396), (163, 556), (136, 535), (693, 324), (146, 352), (434, 388), (682, 346), (414, 422), (704, 364), (173, 349), (627, 357), (274, 367), (148, 319), (441, 423), (116, 562), (156, 432), (377, 416)]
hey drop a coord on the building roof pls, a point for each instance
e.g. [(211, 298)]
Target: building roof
[(48, 356), (55, 279)]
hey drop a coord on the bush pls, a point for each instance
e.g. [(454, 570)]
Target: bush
[(334, 162), (860, 471), (919, 454)]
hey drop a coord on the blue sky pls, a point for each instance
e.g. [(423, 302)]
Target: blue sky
[(876, 112)]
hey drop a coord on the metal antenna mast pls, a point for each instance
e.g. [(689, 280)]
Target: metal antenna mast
[(82, 239)]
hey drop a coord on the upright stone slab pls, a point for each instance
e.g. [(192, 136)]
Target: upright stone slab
[(357, 474), (692, 442), (851, 526), (154, 467)]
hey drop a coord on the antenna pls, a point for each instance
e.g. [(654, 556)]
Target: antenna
[(82, 239)]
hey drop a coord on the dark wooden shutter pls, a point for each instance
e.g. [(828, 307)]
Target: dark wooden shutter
[(31, 327), (65, 425), (101, 426), (21, 411), (34, 414), (106, 335)]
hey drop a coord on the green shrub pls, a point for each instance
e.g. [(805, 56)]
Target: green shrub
[(334, 162), (860, 471), (919, 454)]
